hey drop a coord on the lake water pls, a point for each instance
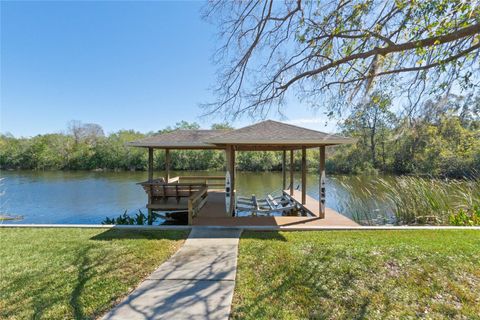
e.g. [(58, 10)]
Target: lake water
[(89, 197)]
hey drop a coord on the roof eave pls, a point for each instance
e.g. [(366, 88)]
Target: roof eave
[(284, 142), (178, 146)]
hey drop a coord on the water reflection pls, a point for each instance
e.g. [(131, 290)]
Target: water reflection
[(88, 197)]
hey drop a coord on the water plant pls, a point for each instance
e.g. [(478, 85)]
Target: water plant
[(413, 200), (125, 219), (466, 218)]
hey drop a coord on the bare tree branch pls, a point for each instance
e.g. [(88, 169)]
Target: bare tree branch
[(273, 49)]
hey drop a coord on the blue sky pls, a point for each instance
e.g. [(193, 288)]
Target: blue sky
[(123, 65)]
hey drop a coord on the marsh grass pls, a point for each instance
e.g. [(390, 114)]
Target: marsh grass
[(409, 200)]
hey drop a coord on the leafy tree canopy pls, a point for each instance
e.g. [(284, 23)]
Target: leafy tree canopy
[(335, 53)]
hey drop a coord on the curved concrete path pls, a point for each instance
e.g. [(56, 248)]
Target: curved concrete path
[(197, 282)]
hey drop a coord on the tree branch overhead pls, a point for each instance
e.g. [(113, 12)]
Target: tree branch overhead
[(337, 49)]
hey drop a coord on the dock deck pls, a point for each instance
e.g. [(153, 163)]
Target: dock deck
[(213, 214)]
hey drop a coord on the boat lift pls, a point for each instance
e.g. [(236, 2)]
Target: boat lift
[(268, 205)]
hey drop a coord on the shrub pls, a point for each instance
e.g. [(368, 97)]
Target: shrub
[(124, 219), (466, 218)]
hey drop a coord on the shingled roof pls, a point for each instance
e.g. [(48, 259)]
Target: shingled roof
[(180, 139), (264, 135), (271, 132)]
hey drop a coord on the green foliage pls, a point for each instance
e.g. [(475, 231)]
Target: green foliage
[(258, 161), (366, 168), (139, 219), (466, 218), (182, 125), (444, 140), (221, 126), (63, 151)]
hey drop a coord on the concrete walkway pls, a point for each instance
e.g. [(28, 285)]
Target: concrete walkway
[(197, 282)]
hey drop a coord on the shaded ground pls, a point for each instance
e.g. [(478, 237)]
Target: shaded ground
[(197, 282), (358, 275), (75, 273)]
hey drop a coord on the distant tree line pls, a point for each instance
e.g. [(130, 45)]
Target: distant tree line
[(442, 140)]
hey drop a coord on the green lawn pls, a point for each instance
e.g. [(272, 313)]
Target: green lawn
[(75, 273), (81, 273), (358, 275)]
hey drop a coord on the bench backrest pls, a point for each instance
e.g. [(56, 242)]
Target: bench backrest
[(163, 190)]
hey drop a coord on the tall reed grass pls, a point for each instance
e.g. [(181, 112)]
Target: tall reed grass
[(409, 200)]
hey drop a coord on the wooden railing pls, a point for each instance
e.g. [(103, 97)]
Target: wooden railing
[(174, 180), (210, 181), (196, 202), (193, 189), (163, 191)]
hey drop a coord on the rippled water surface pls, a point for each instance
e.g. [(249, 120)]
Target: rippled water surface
[(88, 197)]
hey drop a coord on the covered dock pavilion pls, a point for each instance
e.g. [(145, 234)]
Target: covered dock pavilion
[(210, 202)]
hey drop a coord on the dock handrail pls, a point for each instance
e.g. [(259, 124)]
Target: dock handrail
[(174, 180), (188, 181), (154, 181), (160, 190), (210, 181), (195, 203)]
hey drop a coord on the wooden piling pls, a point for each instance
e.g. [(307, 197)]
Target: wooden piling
[(167, 165), (291, 171), (284, 169), (304, 175), (322, 192)]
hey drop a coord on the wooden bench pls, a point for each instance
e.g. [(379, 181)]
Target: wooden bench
[(163, 191)]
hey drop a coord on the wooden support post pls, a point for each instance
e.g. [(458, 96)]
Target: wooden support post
[(234, 176), (284, 169), (150, 178), (190, 212), (230, 159), (322, 182), (292, 168), (167, 165), (304, 175), (228, 156), (150, 164), (150, 211)]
